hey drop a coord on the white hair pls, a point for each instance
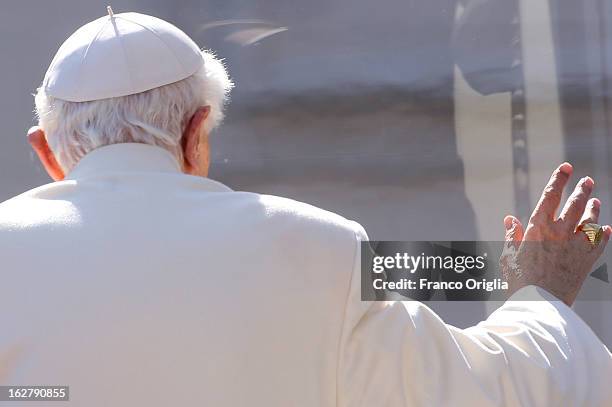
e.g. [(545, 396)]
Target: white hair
[(157, 116)]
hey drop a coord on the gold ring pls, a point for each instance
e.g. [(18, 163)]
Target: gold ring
[(593, 232)]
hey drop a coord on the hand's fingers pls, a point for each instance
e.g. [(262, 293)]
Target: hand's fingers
[(591, 213), (514, 231), (551, 197), (576, 203)]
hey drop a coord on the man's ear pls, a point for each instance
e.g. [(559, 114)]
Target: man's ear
[(191, 141), (38, 141)]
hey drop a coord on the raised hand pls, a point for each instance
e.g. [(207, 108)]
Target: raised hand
[(550, 252)]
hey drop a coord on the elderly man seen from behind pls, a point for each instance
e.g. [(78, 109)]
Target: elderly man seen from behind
[(137, 281)]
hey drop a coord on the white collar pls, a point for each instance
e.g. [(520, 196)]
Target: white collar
[(130, 157)]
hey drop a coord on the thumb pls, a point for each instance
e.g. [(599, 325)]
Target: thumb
[(514, 231)]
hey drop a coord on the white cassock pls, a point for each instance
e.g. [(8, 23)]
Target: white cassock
[(137, 285)]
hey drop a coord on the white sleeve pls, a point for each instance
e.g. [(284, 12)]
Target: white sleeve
[(527, 353)]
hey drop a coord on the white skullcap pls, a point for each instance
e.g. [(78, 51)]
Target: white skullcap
[(119, 55)]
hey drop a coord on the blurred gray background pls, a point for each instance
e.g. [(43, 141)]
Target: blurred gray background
[(422, 120)]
